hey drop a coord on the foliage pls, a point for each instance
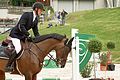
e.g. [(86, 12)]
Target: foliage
[(103, 59), (3, 37), (94, 46), (87, 70), (18, 2), (110, 45)]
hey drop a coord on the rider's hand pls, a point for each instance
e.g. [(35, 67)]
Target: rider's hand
[(27, 34), (30, 39)]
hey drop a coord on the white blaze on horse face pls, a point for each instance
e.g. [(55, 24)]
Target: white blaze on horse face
[(59, 64)]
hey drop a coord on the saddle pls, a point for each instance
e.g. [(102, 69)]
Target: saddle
[(6, 48)]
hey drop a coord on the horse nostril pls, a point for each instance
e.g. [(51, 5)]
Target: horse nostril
[(62, 66)]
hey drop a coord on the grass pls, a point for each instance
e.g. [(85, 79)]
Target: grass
[(3, 36), (103, 23)]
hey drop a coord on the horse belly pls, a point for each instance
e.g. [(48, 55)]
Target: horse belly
[(3, 63), (25, 66)]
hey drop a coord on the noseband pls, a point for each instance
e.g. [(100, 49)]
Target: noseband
[(63, 53), (58, 59)]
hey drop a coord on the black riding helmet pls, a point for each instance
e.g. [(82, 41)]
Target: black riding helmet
[(38, 5)]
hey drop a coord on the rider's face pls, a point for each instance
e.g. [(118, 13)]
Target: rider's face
[(39, 11)]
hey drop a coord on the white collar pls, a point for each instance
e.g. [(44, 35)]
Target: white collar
[(34, 15)]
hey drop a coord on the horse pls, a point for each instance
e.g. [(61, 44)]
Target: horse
[(31, 61)]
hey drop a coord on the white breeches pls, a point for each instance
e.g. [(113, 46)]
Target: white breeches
[(17, 44)]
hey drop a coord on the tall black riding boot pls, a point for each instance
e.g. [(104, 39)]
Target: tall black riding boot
[(8, 67)]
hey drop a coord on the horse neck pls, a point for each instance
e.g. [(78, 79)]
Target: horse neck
[(48, 45)]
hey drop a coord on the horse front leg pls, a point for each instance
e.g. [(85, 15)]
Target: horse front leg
[(28, 77), (2, 75)]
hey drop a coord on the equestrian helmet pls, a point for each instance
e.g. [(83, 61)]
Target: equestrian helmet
[(38, 5)]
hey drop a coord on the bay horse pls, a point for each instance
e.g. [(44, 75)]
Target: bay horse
[(31, 61)]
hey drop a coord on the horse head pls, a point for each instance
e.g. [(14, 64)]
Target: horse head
[(62, 51)]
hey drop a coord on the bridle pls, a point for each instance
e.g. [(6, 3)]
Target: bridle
[(57, 60), (61, 59)]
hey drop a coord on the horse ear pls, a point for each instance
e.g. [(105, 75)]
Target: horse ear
[(70, 42), (65, 41)]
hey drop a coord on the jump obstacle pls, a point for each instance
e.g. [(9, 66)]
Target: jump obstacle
[(80, 53)]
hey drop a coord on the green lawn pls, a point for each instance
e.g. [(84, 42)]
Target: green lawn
[(104, 23)]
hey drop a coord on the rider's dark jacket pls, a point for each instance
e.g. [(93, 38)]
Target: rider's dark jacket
[(25, 23)]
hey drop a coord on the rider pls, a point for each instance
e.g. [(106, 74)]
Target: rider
[(28, 20)]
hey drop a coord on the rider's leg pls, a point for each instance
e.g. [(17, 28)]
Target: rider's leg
[(17, 45)]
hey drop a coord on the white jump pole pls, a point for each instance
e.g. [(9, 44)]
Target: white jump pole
[(75, 56)]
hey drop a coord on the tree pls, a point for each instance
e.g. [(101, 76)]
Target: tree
[(110, 46), (94, 46)]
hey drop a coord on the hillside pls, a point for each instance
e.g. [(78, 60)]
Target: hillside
[(104, 23)]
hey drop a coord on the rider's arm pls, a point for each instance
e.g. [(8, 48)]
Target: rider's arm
[(22, 22), (35, 29)]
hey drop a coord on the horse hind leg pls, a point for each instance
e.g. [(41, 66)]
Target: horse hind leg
[(2, 75)]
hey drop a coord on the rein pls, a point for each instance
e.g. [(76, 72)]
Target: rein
[(61, 59), (49, 55), (29, 49)]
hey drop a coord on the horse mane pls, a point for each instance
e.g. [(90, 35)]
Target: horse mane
[(48, 36)]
